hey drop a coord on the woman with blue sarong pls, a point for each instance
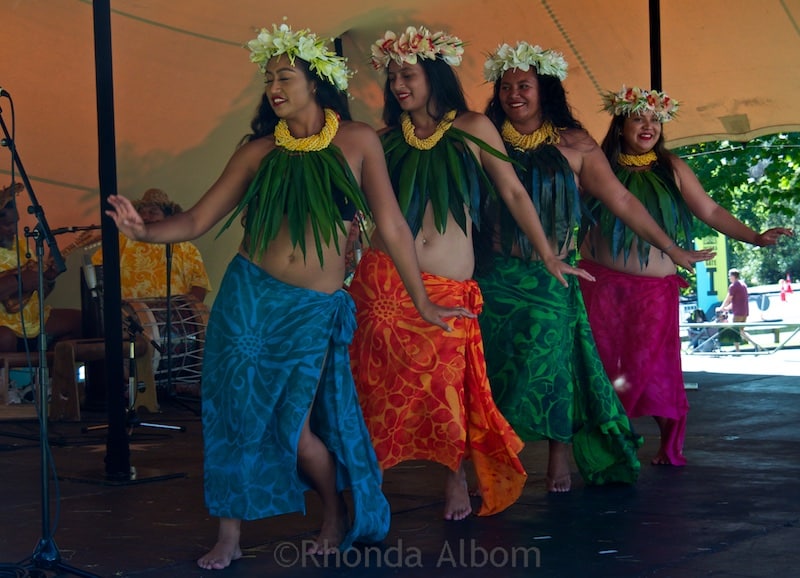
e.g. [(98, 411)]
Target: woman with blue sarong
[(280, 414)]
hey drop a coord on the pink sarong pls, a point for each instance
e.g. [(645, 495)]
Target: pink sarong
[(634, 321)]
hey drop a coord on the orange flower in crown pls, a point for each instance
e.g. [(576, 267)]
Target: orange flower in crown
[(635, 100), (416, 43)]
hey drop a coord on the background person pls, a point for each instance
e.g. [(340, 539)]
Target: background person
[(737, 302), (143, 266), (20, 320), (701, 338)]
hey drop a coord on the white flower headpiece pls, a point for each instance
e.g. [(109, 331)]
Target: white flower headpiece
[(302, 44), (416, 43), (635, 100), (522, 57)]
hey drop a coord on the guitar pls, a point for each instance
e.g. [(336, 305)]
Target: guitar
[(84, 240)]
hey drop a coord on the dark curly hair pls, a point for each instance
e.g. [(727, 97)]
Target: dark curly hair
[(552, 101)]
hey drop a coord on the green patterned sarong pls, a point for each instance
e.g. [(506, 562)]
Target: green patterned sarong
[(545, 374)]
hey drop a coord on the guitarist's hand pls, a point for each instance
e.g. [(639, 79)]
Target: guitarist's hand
[(50, 272)]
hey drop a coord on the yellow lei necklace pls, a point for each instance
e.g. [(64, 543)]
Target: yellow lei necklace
[(425, 144), (545, 134), (637, 160), (315, 142)]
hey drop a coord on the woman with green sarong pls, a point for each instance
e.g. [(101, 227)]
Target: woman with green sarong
[(546, 376), (280, 414)]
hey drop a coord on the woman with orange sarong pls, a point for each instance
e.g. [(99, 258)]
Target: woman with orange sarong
[(425, 395)]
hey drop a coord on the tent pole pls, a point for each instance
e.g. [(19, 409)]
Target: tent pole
[(117, 461), (655, 44)]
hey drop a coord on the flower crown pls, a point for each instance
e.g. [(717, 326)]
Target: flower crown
[(416, 43), (635, 100), (506, 57), (302, 44)]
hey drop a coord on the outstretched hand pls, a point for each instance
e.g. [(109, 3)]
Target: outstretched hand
[(687, 259), (559, 268), (770, 236), (126, 217), (436, 314)]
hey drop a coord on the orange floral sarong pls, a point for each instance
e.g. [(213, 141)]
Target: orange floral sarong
[(424, 392)]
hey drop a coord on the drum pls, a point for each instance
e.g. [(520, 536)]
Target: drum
[(188, 321)]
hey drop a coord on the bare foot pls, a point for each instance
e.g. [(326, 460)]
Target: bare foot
[(558, 485), (457, 505), (220, 556), (227, 547), (661, 459), (558, 478), (334, 528)]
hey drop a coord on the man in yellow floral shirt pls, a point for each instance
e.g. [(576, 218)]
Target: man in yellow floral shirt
[(17, 322), (143, 266)]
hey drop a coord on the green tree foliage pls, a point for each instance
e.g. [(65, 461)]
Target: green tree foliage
[(759, 183)]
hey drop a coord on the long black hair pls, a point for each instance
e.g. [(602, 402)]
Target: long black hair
[(446, 93), (327, 96), (552, 102)]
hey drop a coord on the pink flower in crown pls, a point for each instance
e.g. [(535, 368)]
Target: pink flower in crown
[(403, 47), (634, 100), (388, 41), (415, 43), (382, 50), (630, 95), (415, 39), (449, 47)]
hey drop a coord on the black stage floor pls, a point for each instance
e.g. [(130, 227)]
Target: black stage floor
[(733, 511)]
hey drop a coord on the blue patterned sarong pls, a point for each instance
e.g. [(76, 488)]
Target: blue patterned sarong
[(273, 353)]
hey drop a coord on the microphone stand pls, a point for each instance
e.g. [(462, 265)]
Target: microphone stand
[(170, 389), (46, 555), (168, 327)]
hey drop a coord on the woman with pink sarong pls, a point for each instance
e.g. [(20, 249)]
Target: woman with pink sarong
[(633, 305)]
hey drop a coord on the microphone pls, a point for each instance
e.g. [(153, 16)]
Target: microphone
[(89, 274), (134, 327), (4, 92), (62, 230)]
